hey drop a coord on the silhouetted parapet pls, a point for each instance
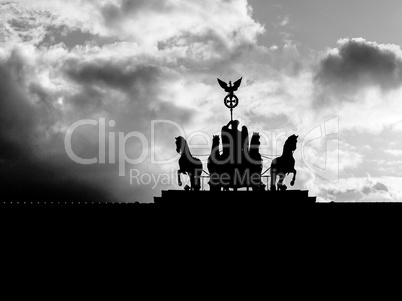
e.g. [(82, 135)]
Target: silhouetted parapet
[(176, 198)]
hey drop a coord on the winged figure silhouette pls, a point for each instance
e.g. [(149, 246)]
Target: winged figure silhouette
[(229, 88)]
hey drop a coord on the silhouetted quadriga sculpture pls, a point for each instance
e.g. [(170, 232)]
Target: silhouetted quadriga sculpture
[(235, 162)]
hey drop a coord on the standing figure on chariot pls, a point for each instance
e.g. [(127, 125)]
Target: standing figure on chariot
[(235, 150)]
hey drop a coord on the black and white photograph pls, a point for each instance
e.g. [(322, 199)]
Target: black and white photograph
[(201, 104)]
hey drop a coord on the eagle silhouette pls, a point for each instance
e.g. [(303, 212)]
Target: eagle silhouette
[(229, 88)]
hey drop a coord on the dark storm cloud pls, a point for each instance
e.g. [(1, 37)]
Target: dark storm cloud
[(373, 188), (113, 13), (22, 24), (115, 74), (17, 116), (380, 187), (72, 37), (24, 175), (358, 64), (33, 161), (377, 187), (140, 87)]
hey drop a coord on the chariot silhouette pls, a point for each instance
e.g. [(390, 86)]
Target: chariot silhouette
[(235, 161)]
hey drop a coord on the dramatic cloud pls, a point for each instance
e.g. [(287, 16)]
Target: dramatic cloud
[(365, 189), (357, 63), (29, 140), (362, 82), (127, 61)]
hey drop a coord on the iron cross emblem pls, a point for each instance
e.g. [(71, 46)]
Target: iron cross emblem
[(231, 101)]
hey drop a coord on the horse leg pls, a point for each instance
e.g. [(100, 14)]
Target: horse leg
[(192, 180), (254, 182), (261, 185), (281, 186), (213, 180), (219, 185), (294, 177), (196, 185), (273, 180), (211, 183), (178, 178)]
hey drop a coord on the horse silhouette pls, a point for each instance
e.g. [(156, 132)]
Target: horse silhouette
[(284, 165), (255, 163), (188, 165), (214, 165)]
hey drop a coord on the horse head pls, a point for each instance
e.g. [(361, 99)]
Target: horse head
[(215, 140), (255, 139), (291, 143), (180, 143)]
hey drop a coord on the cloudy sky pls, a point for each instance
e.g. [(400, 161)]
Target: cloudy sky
[(328, 71)]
